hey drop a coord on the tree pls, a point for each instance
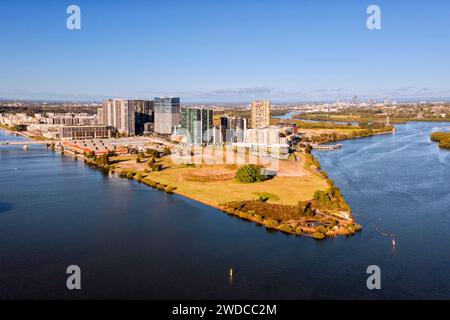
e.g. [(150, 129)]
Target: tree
[(333, 136), (153, 153), (102, 160), (167, 151), (152, 162), (308, 149), (251, 173), (305, 209)]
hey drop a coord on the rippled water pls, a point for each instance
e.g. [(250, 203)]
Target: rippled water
[(135, 242)]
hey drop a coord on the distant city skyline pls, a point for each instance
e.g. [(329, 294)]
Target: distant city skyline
[(225, 51)]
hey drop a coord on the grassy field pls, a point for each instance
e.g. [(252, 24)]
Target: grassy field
[(295, 184)]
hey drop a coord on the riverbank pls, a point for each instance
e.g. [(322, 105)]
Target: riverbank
[(328, 132), (357, 118), (24, 134)]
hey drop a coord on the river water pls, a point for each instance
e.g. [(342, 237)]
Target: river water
[(131, 241)]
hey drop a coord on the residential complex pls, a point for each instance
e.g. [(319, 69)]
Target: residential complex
[(69, 119), (260, 110)]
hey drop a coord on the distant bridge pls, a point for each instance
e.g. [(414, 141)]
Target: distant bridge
[(26, 143)]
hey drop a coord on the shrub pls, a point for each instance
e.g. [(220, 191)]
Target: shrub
[(157, 167), (138, 160), (322, 229), (245, 215), (323, 199), (153, 153), (353, 228), (298, 231), (138, 177), (161, 186), (152, 184), (264, 196), (258, 218), (271, 223), (170, 189), (285, 228), (89, 154), (123, 173), (318, 236), (305, 209), (130, 175)]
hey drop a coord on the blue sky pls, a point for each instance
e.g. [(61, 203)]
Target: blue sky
[(224, 50)]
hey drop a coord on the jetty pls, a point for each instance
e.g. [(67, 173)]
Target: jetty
[(328, 147)]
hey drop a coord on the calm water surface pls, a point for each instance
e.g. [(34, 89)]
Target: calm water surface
[(135, 242)]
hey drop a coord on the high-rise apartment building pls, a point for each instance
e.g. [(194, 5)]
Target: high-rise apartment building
[(233, 128), (119, 114), (167, 114), (143, 113), (260, 114), (198, 122), (126, 116)]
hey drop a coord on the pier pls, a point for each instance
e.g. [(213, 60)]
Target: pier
[(326, 147)]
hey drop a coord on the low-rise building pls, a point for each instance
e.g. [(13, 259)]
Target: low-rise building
[(85, 132)]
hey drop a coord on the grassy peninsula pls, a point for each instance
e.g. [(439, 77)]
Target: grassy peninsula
[(299, 199), (443, 138)]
